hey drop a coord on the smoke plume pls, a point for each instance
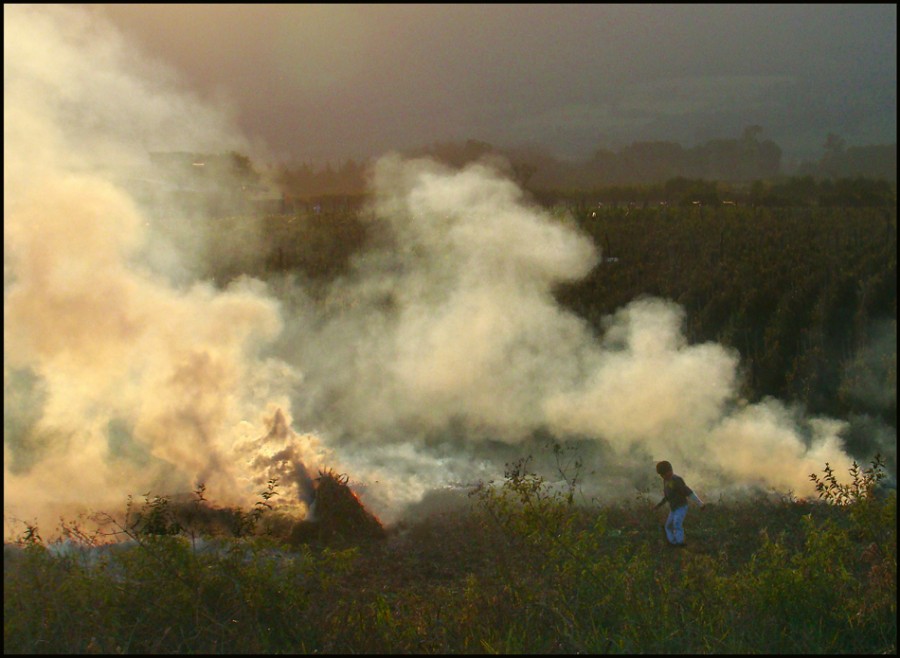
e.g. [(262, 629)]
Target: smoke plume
[(119, 377), (440, 354), (445, 348)]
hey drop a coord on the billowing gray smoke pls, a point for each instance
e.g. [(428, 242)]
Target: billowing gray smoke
[(438, 357)]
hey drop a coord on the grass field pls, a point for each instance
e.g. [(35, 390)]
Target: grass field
[(518, 569)]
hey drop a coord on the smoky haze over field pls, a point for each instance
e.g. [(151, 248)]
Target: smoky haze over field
[(439, 356), (330, 82)]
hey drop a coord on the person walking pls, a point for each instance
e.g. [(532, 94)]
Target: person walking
[(677, 494)]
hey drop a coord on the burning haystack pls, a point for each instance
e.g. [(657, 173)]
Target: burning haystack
[(337, 516)]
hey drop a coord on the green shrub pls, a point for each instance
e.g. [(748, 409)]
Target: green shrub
[(526, 569)]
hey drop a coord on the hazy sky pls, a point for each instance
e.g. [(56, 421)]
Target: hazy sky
[(337, 81)]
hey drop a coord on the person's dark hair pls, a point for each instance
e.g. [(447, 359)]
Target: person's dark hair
[(663, 467)]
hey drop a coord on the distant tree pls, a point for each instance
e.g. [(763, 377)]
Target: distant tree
[(604, 167), (874, 161), (720, 159), (327, 180), (456, 154), (800, 191), (651, 161), (769, 162), (741, 159), (523, 172), (757, 193), (298, 181), (834, 150), (241, 168), (687, 191), (857, 193), (350, 178)]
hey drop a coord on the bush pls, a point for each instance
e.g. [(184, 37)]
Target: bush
[(525, 569)]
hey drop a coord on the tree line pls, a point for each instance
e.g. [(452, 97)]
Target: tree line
[(786, 192), (737, 162)]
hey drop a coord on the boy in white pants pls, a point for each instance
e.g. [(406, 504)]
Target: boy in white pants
[(676, 493)]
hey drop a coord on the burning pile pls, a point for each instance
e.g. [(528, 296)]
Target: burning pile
[(336, 516)]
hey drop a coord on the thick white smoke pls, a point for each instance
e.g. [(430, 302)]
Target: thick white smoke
[(440, 355), (116, 380), (447, 340)]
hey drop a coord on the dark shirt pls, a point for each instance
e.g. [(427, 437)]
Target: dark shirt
[(676, 492)]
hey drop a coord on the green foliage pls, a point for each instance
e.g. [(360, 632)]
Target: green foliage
[(529, 568), (860, 491), (805, 191), (872, 510), (803, 295), (686, 192), (160, 592)]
